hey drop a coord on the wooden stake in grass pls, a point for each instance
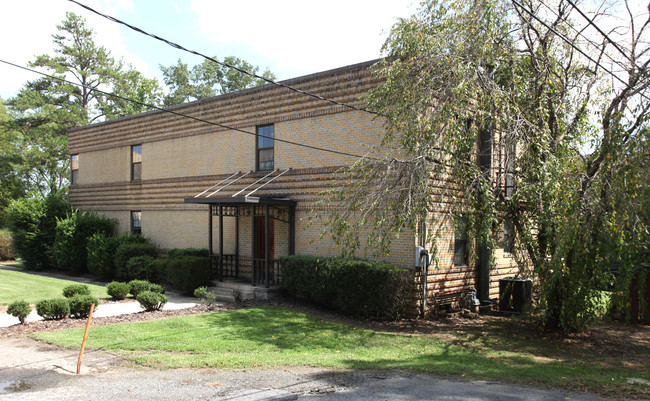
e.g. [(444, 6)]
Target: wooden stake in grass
[(83, 343)]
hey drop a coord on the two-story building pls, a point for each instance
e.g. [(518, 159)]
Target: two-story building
[(241, 173)]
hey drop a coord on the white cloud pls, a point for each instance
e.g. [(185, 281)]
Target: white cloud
[(303, 35), (27, 27)]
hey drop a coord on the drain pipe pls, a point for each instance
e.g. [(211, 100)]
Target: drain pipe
[(422, 259)]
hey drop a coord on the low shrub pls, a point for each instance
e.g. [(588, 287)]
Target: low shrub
[(53, 309), (151, 301), (141, 268), (117, 290), (80, 305), (138, 286), (205, 296), (6, 248), (157, 288), (360, 287), (19, 309), (127, 251), (177, 252), (75, 289), (188, 273), (101, 254)]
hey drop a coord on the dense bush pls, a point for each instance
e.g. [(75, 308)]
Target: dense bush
[(75, 289), (32, 222), (151, 301), (19, 309), (129, 250), (101, 254), (72, 234), (117, 290), (138, 286), (359, 287), (157, 288), (177, 252), (188, 273), (80, 305), (141, 268), (162, 270), (6, 248), (53, 309), (204, 295)]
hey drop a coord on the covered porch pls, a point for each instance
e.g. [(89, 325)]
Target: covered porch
[(256, 231)]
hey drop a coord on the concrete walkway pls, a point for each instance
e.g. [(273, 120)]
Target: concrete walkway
[(102, 310)]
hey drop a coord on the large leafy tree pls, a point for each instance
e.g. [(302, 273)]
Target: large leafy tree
[(569, 145), (79, 72), (209, 79), (11, 185)]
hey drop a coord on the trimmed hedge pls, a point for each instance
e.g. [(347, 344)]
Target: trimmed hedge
[(151, 301), (72, 290), (80, 305), (178, 252), (19, 309), (366, 288), (126, 251), (117, 290), (53, 309), (188, 273), (141, 268)]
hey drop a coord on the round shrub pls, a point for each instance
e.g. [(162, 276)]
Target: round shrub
[(76, 289), (138, 286), (157, 288), (151, 301), (127, 251), (19, 309), (206, 296), (53, 309), (80, 305), (117, 290), (141, 268)]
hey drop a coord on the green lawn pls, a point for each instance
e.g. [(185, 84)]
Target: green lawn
[(267, 336), (15, 286)]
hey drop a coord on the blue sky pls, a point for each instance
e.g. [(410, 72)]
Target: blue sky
[(290, 37)]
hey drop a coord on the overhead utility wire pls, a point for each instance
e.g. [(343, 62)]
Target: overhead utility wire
[(577, 48), (592, 23), (181, 114), (177, 46)]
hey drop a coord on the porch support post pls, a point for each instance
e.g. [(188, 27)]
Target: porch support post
[(254, 244), (292, 230), (237, 242), (220, 242), (210, 241), (266, 245)]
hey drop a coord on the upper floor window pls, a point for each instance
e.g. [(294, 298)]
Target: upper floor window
[(460, 241), (136, 162), (265, 147), (136, 222), (74, 169)]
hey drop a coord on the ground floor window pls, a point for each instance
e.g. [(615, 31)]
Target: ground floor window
[(136, 222), (460, 241)]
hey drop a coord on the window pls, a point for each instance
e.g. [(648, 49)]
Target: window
[(508, 236), (265, 147), (136, 162), (460, 241), (74, 169), (136, 222)]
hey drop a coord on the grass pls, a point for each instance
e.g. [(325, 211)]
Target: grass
[(15, 286), (267, 337)]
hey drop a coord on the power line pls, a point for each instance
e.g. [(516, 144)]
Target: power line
[(151, 106), (177, 46), (576, 48)]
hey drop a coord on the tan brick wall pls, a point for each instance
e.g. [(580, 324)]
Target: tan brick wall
[(108, 165)]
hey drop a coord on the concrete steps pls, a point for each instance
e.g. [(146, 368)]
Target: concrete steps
[(232, 290)]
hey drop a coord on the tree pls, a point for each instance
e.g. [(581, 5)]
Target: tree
[(46, 108), (464, 80), (209, 79), (11, 185)]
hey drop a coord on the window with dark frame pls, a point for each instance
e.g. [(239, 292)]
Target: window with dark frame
[(74, 169), (136, 162), (460, 241), (136, 222), (265, 147)]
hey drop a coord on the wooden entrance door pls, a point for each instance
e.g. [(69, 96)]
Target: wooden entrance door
[(260, 238)]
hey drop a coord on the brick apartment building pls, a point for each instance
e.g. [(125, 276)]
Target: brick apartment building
[(187, 183)]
